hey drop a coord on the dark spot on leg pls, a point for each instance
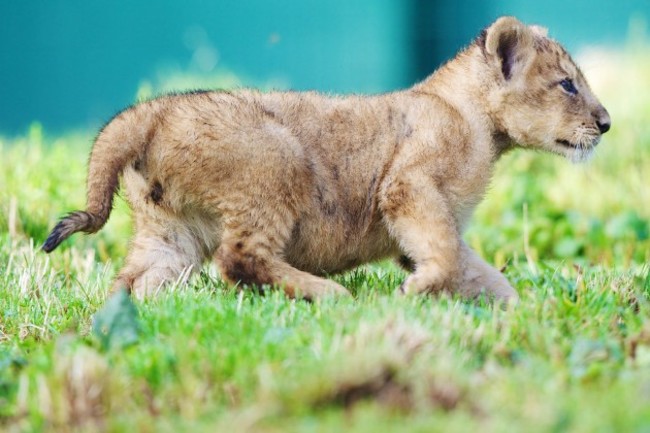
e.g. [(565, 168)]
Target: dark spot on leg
[(239, 272), (406, 263), (137, 165), (239, 245), (243, 268), (156, 192)]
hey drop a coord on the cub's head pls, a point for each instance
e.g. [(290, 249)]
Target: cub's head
[(540, 98)]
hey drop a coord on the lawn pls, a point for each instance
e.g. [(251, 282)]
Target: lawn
[(574, 355)]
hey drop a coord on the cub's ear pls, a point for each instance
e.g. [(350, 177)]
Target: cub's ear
[(511, 44), (539, 31)]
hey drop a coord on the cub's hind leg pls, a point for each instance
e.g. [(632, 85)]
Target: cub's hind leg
[(254, 257), (160, 253)]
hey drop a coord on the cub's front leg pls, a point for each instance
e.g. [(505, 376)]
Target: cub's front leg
[(478, 278), (420, 218)]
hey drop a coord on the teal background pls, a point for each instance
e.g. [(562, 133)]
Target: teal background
[(72, 63)]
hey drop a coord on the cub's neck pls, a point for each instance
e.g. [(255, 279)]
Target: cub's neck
[(468, 84)]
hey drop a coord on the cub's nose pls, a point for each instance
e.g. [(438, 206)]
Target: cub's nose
[(602, 120)]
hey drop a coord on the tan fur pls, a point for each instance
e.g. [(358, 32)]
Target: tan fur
[(283, 188)]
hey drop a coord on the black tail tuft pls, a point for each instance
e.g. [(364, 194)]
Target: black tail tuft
[(74, 222)]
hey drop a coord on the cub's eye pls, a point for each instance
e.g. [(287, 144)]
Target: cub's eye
[(568, 86)]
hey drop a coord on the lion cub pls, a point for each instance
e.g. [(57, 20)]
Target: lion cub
[(281, 188)]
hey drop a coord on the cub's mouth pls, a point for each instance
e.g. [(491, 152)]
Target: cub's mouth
[(584, 144), (577, 152), (567, 143)]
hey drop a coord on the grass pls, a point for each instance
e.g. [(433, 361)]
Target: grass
[(574, 355)]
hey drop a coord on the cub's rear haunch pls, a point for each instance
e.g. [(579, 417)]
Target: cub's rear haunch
[(283, 188)]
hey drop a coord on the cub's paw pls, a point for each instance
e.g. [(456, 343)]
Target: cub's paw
[(423, 283)]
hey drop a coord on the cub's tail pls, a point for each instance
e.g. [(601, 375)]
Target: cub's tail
[(119, 143)]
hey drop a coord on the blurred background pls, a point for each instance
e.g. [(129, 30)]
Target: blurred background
[(73, 64)]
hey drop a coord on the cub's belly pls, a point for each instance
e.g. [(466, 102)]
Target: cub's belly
[(330, 247)]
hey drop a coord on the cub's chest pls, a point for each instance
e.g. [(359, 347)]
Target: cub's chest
[(469, 191)]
